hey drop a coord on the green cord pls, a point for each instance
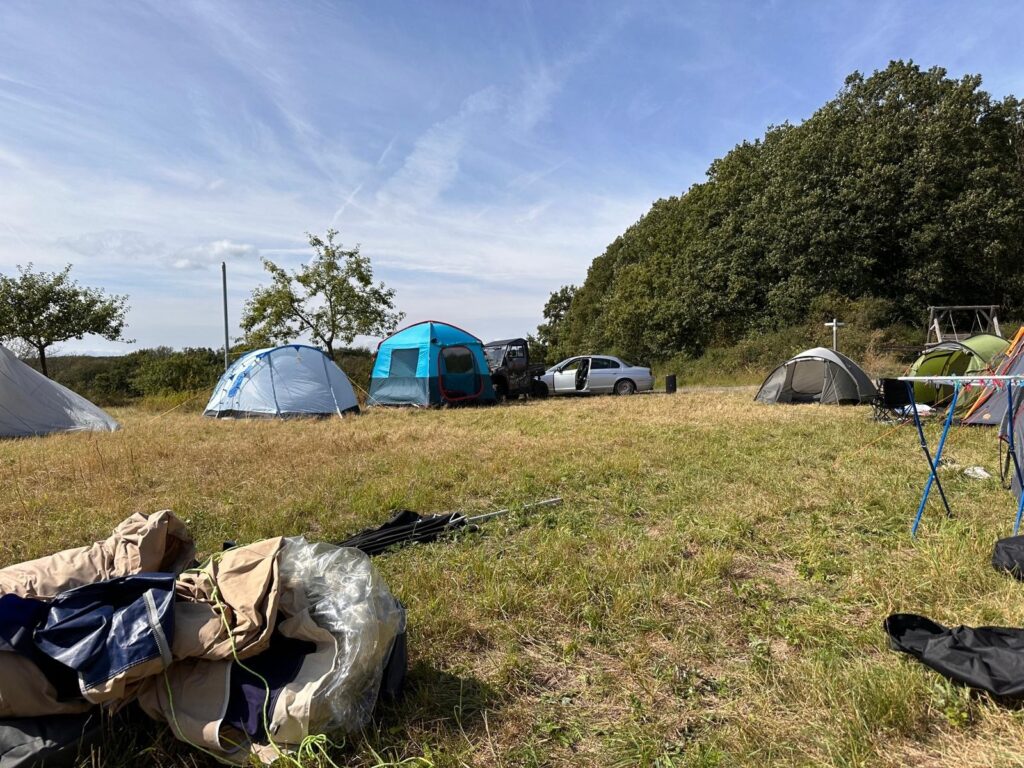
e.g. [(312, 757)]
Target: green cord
[(313, 746), (180, 734)]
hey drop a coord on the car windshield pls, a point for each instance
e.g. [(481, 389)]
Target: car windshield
[(494, 355)]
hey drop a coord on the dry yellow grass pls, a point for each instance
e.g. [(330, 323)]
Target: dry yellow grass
[(711, 593)]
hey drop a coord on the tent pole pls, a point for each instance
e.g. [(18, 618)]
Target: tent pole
[(942, 444), (932, 463), (1012, 451), (488, 515)]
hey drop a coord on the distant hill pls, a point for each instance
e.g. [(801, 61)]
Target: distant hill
[(905, 190)]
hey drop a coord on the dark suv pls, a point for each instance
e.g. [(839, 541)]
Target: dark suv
[(511, 372)]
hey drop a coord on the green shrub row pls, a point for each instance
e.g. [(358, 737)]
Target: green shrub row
[(161, 375)]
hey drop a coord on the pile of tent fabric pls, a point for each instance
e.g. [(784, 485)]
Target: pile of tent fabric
[(260, 649)]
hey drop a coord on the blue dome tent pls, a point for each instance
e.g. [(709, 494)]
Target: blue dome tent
[(282, 382), (431, 363)]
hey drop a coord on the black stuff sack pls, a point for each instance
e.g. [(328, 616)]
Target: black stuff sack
[(1008, 555), (986, 658)]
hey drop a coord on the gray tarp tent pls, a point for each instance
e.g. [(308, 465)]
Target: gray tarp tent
[(31, 404), (818, 375)]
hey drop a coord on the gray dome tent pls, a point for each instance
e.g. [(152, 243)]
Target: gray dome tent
[(818, 375), (31, 404)]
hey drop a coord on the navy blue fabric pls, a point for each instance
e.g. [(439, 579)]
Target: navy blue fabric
[(102, 629), (278, 665), (19, 616)]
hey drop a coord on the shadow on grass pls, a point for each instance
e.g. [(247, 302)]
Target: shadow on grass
[(437, 706)]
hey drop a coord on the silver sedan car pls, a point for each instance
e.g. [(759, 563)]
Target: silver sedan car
[(596, 374)]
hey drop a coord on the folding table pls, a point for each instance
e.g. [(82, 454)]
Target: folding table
[(959, 383)]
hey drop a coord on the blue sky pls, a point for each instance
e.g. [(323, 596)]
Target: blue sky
[(481, 153)]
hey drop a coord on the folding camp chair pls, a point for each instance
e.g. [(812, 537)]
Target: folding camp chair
[(892, 404)]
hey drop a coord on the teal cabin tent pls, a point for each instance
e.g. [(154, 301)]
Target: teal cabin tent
[(282, 382), (431, 363)]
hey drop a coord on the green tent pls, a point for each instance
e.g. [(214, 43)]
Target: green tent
[(955, 358)]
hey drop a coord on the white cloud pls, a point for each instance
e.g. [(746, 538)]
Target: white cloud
[(533, 103), (200, 256), (433, 164), (273, 126), (115, 245), (131, 247)]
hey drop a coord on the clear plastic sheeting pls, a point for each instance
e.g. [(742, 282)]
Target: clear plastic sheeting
[(347, 597)]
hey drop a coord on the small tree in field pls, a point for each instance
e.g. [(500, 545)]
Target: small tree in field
[(333, 299), (45, 308)]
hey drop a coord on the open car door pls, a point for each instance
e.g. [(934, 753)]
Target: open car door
[(583, 375), (564, 379)]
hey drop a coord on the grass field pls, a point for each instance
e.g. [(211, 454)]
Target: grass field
[(711, 592)]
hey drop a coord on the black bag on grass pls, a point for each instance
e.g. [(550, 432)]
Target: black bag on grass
[(987, 658), (1008, 555)]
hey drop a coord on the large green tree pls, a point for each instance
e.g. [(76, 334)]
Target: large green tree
[(45, 308), (907, 188), (549, 332), (332, 299)]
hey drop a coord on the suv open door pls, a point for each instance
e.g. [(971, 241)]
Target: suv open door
[(511, 372)]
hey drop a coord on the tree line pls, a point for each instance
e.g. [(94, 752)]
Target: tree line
[(161, 372), (905, 190), (331, 300)]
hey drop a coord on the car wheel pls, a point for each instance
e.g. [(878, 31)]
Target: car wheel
[(540, 389), (625, 387)]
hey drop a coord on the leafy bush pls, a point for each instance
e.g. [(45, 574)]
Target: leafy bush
[(160, 376), (162, 371), (880, 349)]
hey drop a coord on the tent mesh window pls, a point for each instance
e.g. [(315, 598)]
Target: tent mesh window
[(404, 362), (806, 383), (459, 377)]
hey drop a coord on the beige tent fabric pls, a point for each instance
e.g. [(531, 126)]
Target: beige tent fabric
[(200, 691), (25, 691), (121, 687), (140, 543), (157, 542), (231, 605), (290, 720), (196, 705), (246, 583), (248, 587)]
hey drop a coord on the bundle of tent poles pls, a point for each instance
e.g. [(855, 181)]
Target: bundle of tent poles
[(407, 527)]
